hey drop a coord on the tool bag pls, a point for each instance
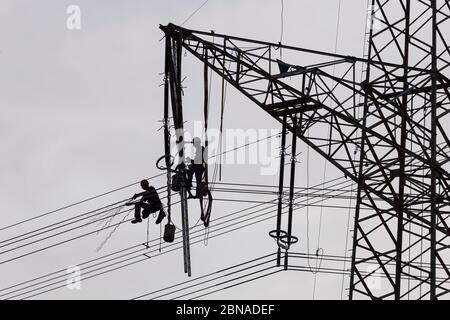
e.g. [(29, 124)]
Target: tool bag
[(202, 189), (177, 181), (169, 232)]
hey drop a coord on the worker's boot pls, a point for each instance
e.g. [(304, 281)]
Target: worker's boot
[(161, 216), (145, 213), (135, 220)]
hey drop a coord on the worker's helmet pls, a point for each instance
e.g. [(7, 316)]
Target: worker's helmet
[(144, 184)]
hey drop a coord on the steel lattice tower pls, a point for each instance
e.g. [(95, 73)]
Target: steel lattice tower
[(386, 131)]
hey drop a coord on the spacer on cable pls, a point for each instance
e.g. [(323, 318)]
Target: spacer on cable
[(277, 234), (289, 240), (170, 160)]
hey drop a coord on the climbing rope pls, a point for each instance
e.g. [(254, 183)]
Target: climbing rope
[(113, 231), (319, 250), (148, 232), (222, 109), (160, 237)]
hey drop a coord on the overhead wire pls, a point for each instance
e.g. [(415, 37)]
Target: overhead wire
[(126, 260), (240, 227), (221, 276), (59, 243), (233, 285), (65, 222), (199, 240), (232, 191), (119, 202), (71, 239), (186, 285), (268, 137), (120, 251), (221, 228), (194, 13), (74, 204), (24, 235), (203, 276)]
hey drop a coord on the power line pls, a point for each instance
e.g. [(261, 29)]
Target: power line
[(244, 146), (297, 255), (75, 204), (120, 212), (247, 267), (120, 251), (109, 192), (194, 12), (156, 250), (264, 219), (43, 228), (243, 282), (58, 243), (239, 211), (167, 246), (237, 278), (329, 258), (89, 233), (116, 205), (335, 196)]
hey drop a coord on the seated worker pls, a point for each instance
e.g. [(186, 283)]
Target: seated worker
[(149, 201), (196, 167)]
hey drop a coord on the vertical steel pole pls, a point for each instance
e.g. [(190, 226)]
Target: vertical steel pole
[(185, 226), (291, 186), (183, 192), (280, 186), (206, 111), (433, 153), (361, 176), (166, 124), (177, 112), (400, 201)]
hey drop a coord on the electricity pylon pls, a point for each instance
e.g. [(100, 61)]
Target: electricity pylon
[(380, 119)]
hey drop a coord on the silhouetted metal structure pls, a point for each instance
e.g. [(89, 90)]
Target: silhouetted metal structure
[(380, 119)]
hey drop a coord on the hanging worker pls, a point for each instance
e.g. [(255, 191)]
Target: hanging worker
[(149, 202), (196, 167), (189, 175)]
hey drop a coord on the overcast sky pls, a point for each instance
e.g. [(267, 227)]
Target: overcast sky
[(79, 116)]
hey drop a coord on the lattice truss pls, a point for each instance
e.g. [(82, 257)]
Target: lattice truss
[(381, 119)]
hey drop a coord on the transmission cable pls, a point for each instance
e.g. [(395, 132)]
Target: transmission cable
[(194, 12), (75, 204), (89, 212), (229, 226)]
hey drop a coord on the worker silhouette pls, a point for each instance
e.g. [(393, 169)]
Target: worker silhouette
[(149, 202), (196, 167)]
